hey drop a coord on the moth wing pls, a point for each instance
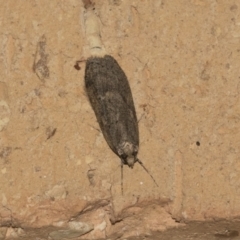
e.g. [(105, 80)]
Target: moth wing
[(111, 99)]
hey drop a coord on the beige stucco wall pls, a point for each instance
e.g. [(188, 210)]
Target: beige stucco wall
[(182, 61)]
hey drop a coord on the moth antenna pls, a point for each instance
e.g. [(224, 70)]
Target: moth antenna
[(140, 162), (122, 177)]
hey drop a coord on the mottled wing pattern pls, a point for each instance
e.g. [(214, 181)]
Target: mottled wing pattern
[(111, 99)]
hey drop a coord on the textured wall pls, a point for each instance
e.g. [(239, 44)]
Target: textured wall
[(182, 61)]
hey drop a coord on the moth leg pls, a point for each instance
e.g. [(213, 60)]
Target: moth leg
[(77, 66), (140, 162), (140, 118), (122, 176)]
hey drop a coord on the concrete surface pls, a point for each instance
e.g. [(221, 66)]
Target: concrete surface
[(182, 61), (191, 231)]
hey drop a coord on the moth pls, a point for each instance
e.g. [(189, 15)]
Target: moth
[(111, 98)]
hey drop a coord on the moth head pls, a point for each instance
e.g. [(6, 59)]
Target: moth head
[(128, 153), (130, 161)]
